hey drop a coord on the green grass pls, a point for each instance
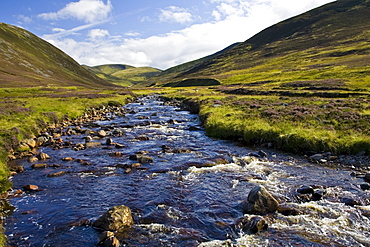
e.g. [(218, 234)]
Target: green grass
[(294, 124)]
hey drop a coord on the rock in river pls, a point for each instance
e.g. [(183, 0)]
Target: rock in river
[(260, 201), (30, 187), (108, 239), (115, 219)]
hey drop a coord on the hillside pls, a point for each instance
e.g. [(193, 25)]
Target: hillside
[(326, 43), (167, 75), (28, 61), (124, 75)]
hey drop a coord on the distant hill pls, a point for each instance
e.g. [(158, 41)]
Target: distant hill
[(168, 75), (124, 75), (329, 42), (28, 61)]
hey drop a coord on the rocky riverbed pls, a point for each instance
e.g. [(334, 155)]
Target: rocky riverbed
[(181, 188)]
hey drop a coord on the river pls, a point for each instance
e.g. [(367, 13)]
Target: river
[(189, 193)]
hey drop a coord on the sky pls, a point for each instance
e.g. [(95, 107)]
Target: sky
[(155, 33)]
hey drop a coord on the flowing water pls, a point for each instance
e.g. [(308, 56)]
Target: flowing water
[(190, 194)]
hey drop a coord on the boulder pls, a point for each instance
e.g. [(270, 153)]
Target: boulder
[(260, 201), (117, 218)]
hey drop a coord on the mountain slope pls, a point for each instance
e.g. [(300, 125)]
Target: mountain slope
[(329, 42), (173, 72), (28, 61), (124, 75)]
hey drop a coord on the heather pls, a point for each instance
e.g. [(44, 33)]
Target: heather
[(294, 124)]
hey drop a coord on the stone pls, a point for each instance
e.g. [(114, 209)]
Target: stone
[(253, 225), (318, 195), (108, 239), (145, 159), (88, 139), (317, 157), (258, 154), (17, 169), (102, 133), (43, 156), (30, 142), (30, 187), (33, 159), (305, 190), (260, 201), (11, 157), (109, 141), (115, 219), (135, 165), (37, 166), (365, 186), (117, 145), (349, 201), (116, 154), (92, 144), (56, 174), (288, 210), (67, 159)]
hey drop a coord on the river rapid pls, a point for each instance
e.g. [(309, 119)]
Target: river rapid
[(189, 192)]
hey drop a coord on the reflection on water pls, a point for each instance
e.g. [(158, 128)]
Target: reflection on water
[(189, 195)]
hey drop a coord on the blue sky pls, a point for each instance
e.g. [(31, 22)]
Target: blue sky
[(159, 34)]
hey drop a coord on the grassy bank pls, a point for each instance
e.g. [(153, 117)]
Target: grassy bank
[(296, 124)]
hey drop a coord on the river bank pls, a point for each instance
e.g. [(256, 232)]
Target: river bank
[(182, 166)]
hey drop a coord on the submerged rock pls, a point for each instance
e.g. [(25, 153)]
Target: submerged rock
[(36, 166), (117, 218), (107, 239), (31, 187), (253, 224), (260, 201), (305, 190)]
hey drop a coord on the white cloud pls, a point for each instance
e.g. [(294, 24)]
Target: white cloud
[(175, 14), (24, 19), (98, 33), (88, 11), (234, 21)]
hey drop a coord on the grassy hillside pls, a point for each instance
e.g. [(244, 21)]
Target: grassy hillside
[(28, 61), (168, 75), (330, 42), (302, 85), (124, 75)]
